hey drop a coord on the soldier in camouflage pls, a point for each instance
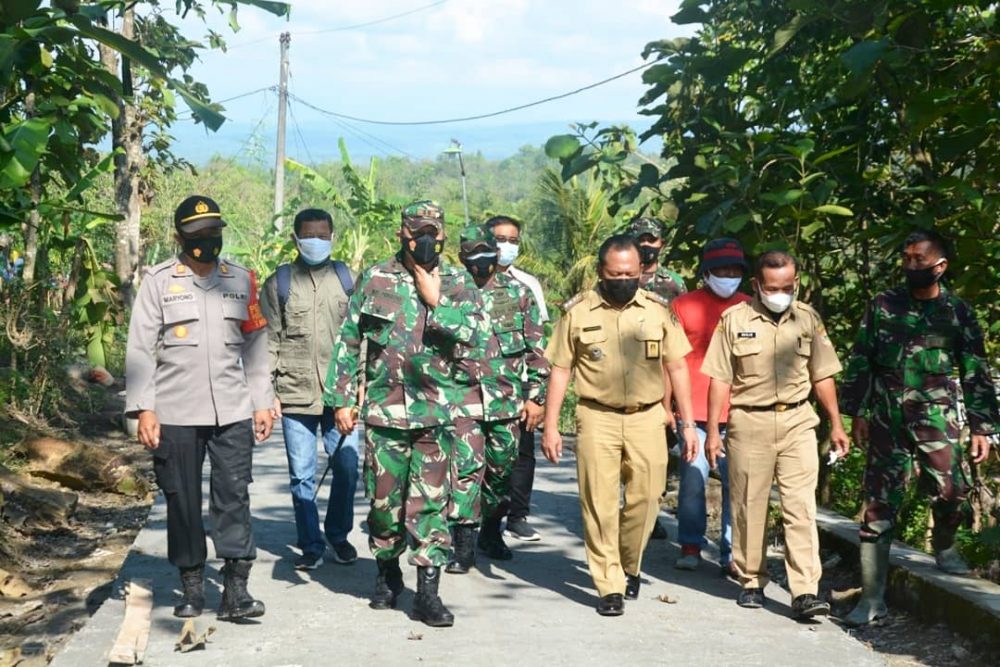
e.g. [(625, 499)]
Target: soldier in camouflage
[(420, 318), (514, 371), (900, 390), (663, 282)]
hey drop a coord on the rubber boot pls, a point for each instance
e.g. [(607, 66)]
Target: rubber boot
[(491, 540), (388, 584), (193, 585), (463, 555), (237, 602), (874, 571), (946, 553), (427, 605)]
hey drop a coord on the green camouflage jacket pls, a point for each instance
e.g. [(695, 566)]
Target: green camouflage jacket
[(664, 282), (419, 370), (907, 352), (514, 364)]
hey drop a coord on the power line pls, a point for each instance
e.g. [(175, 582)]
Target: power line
[(344, 28), (232, 99), (463, 119), (298, 132)]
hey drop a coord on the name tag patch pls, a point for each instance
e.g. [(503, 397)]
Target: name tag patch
[(178, 298), (597, 328), (236, 296), (746, 334)]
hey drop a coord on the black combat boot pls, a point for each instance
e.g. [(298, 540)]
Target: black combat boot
[(491, 540), (427, 605), (463, 554), (193, 585), (237, 602), (388, 584)]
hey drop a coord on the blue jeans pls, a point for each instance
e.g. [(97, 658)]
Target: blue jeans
[(691, 513), (299, 432)]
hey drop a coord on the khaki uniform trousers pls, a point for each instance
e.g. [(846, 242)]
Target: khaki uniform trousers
[(615, 449), (764, 447)]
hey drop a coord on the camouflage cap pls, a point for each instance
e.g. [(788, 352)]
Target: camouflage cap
[(196, 213), (421, 213), (477, 236), (641, 226)]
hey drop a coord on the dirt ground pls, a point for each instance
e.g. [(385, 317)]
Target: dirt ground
[(68, 569), (901, 638)]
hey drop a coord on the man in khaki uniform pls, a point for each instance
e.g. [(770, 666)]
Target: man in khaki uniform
[(766, 356), (620, 341), (196, 377)]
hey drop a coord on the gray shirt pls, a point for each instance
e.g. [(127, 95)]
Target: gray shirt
[(197, 347)]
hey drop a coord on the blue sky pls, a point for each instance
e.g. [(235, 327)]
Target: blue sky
[(459, 58)]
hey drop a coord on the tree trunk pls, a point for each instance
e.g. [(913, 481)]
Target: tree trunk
[(32, 225), (126, 135)]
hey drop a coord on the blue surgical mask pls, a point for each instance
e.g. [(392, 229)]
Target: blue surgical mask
[(314, 251), (506, 253), (722, 287)]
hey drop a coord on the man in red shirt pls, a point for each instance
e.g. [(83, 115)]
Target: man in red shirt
[(722, 268)]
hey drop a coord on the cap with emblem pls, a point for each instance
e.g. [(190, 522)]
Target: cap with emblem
[(641, 226), (197, 212), (423, 213), (476, 237), (722, 252)]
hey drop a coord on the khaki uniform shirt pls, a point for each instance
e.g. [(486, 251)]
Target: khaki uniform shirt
[(618, 355), (197, 349), (769, 362), (301, 345)]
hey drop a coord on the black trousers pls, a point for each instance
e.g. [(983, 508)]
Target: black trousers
[(522, 478), (178, 463)]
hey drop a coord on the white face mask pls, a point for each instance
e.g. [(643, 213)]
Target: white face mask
[(777, 303), (723, 287), (507, 253)]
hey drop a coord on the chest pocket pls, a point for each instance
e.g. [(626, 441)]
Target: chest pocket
[(508, 326), (379, 313), (650, 344), (592, 344), (235, 313), (749, 360), (932, 354), (890, 343), (297, 320), (803, 346), (181, 325)]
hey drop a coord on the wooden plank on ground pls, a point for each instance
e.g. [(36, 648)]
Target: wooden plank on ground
[(130, 646)]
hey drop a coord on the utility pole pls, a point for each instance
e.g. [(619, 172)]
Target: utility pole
[(279, 157), (455, 149)]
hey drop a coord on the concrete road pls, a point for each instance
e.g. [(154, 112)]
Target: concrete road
[(536, 609)]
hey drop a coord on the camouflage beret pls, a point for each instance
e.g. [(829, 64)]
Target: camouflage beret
[(421, 213), (641, 226), (476, 236)]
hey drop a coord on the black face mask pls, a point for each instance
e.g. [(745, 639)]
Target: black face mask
[(425, 250), (481, 267), (619, 291), (648, 254), (203, 248), (922, 278)]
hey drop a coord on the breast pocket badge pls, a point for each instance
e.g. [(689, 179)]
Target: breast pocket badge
[(652, 349), (596, 353)]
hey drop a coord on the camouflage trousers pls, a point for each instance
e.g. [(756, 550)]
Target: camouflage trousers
[(484, 459), (408, 480), (894, 452)]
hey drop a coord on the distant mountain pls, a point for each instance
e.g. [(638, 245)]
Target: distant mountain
[(317, 141)]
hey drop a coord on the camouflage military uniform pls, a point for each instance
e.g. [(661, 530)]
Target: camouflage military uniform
[(514, 369), (900, 373), (418, 369), (663, 282)]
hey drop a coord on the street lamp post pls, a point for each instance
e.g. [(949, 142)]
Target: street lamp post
[(456, 149)]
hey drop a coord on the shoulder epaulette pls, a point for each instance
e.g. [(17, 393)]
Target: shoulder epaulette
[(233, 265), (162, 266), (565, 306), (657, 298)]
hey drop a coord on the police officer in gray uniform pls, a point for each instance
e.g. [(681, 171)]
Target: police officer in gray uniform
[(197, 379)]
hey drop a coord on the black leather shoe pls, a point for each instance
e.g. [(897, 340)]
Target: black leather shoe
[(751, 598), (632, 583), (809, 606), (611, 605)]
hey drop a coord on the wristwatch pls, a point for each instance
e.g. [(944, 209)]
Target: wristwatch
[(683, 424)]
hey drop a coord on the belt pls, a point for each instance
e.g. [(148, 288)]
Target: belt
[(630, 410), (774, 407)]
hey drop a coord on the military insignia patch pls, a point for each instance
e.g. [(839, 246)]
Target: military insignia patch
[(201, 207), (181, 331), (176, 289), (596, 353), (652, 349)]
